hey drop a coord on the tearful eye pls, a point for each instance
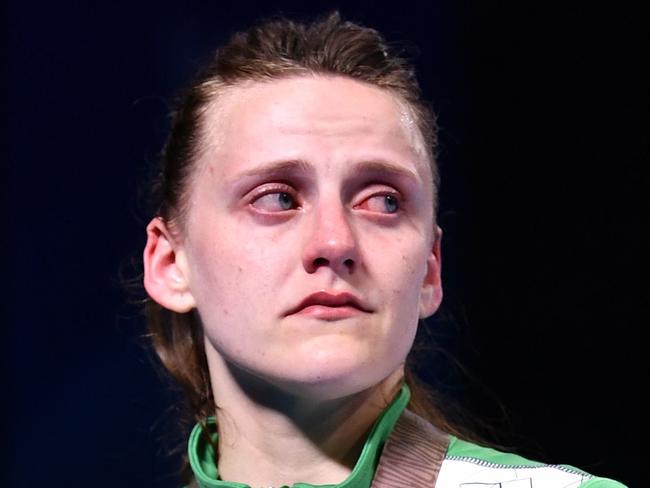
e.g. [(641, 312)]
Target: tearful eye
[(275, 202), (391, 204), (381, 203)]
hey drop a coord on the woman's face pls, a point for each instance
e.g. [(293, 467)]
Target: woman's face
[(308, 246)]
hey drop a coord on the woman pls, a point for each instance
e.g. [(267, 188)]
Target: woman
[(293, 251)]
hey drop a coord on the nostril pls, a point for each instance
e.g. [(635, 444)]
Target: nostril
[(349, 263), (318, 262)]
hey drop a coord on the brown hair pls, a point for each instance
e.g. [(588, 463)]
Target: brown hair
[(269, 51)]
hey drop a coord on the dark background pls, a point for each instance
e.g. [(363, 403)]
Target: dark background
[(543, 110)]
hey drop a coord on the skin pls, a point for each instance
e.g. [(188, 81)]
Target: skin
[(304, 185)]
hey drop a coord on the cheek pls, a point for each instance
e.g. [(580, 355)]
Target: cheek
[(405, 268), (233, 276), (406, 275)]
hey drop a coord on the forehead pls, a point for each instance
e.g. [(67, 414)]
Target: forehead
[(318, 115)]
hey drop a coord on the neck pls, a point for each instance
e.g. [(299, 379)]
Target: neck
[(286, 437)]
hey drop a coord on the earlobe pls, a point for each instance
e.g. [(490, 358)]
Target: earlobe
[(165, 269), (431, 293)]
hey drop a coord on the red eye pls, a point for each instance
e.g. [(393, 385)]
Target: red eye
[(278, 201), (381, 203)]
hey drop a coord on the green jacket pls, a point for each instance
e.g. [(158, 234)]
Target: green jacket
[(405, 451)]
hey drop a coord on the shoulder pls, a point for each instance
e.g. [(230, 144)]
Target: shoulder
[(472, 466)]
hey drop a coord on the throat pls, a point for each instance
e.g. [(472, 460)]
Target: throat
[(323, 451)]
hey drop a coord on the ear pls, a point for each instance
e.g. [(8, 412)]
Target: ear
[(431, 293), (165, 269)]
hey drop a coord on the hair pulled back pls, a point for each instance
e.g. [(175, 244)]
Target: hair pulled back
[(273, 50)]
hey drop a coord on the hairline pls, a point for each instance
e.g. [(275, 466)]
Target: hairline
[(218, 88)]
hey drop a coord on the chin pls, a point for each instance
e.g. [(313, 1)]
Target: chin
[(329, 369), (336, 376)]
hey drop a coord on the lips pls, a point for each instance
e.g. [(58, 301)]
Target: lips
[(329, 303)]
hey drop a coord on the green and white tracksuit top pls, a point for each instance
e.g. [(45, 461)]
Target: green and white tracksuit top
[(462, 465)]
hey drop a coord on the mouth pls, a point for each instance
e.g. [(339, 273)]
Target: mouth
[(330, 306)]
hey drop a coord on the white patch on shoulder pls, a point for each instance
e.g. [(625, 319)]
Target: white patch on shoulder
[(468, 474)]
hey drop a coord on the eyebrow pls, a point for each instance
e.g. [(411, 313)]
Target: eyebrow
[(280, 168), (382, 167), (275, 169)]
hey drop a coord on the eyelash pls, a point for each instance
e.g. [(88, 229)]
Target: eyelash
[(280, 188), (384, 194), (273, 189)]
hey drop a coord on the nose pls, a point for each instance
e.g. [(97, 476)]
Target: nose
[(330, 241)]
